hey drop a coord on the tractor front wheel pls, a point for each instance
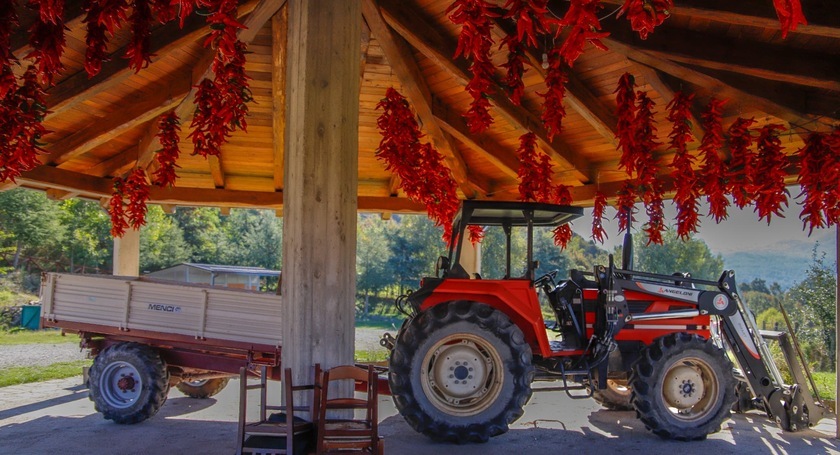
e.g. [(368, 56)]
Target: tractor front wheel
[(683, 387), (203, 388), (461, 372), (616, 397)]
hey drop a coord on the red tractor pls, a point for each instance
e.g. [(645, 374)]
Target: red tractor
[(462, 364)]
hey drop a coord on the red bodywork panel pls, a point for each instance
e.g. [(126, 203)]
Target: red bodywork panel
[(518, 300)]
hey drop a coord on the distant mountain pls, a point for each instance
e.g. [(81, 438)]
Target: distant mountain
[(782, 262)]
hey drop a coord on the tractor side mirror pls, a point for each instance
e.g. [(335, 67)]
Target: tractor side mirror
[(442, 265)]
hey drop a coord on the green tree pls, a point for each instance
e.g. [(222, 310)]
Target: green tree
[(674, 255), (255, 239), (162, 242), (814, 308), (372, 256), (33, 223), (88, 243), (415, 245), (493, 252), (204, 232)]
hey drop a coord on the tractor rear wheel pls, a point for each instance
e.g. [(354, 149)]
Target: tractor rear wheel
[(616, 397), (461, 372), (683, 387), (128, 382)]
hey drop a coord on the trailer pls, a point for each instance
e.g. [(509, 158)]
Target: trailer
[(147, 335)]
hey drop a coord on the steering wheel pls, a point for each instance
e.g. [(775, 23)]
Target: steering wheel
[(547, 279)]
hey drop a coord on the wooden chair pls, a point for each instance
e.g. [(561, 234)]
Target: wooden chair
[(342, 435), (276, 434)]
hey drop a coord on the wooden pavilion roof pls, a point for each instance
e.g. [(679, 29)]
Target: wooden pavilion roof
[(105, 126)]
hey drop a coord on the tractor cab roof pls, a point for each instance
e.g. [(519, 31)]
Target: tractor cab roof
[(495, 213)]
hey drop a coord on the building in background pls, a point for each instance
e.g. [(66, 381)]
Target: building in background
[(232, 276)]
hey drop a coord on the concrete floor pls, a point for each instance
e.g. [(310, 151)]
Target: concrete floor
[(56, 417)]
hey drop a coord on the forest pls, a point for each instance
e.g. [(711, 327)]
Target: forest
[(38, 234)]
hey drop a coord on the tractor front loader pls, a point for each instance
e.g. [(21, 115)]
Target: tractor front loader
[(463, 362)]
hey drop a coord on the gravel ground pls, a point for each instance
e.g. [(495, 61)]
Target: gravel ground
[(367, 339)]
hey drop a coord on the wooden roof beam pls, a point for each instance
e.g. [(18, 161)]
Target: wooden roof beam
[(430, 42), (116, 165), (822, 16), (711, 85), (400, 58), (78, 88), (145, 108)]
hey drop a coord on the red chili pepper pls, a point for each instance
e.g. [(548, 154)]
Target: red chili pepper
[(646, 15), (116, 209), (47, 38), (769, 176), (22, 113), (598, 210), (686, 183), (137, 191), (515, 68), (563, 233), (474, 43), (553, 110), (740, 175), (790, 15), (138, 52), (8, 22), (626, 205), (531, 18), (582, 17), (625, 97), (819, 178), (167, 157), (714, 183), (534, 171)]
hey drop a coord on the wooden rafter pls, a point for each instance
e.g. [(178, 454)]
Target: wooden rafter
[(400, 58), (279, 39), (431, 43), (147, 107), (116, 165)]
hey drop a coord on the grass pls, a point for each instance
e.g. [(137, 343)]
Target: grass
[(35, 336), (825, 384), (371, 356), (25, 375)]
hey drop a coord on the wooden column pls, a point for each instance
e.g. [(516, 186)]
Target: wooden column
[(127, 253), (320, 184)]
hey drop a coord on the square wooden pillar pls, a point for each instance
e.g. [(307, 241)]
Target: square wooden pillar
[(320, 184), (127, 253)]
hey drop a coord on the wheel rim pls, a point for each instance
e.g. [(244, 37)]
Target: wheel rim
[(690, 389), (462, 375), (619, 388), (121, 385), (197, 383)]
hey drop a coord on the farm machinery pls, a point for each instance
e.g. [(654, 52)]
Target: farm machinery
[(463, 362)]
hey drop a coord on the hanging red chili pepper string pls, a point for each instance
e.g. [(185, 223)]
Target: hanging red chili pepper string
[(740, 175), (646, 15), (116, 209), (562, 233), (423, 175), (582, 17), (474, 43), (819, 176), (686, 184), (714, 182), (208, 134), (626, 205), (530, 19), (137, 191), (625, 98), (22, 112), (769, 176), (832, 197), (534, 171), (138, 52), (100, 17), (598, 210), (515, 67), (8, 22), (47, 38), (555, 81), (647, 168), (790, 15), (167, 157)]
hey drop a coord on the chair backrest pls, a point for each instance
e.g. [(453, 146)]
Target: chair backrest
[(364, 379), (290, 389)]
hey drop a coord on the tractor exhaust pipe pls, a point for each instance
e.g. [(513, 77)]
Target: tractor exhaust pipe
[(627, 248)]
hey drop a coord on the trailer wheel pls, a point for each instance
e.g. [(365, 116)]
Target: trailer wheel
[(128, 383), (616, 397), (683, 387), (461, 372), (203, 388)]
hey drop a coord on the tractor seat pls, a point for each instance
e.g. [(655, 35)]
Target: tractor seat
[(580, 279)]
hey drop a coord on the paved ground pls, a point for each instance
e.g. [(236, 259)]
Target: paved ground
[(57, 417)]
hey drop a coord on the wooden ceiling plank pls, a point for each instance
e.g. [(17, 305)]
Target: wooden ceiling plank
[(116, 123), (79, 88), (279, 41), (711, 85), (426, 39), (399, 55)]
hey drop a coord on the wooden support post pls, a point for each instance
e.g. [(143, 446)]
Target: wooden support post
[(127, 253), (320, 181)]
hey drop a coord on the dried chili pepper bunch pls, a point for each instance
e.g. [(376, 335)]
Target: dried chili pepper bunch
[(208, 133), (474, 43), (819, 178), (22, 112), (646, 15), (790, 15), (116, 208), (625, 98), (582, 17), (531, 22), (769, 176), (740, 175), (101, 17), (169, 128), (8, 22), (138, 52), (534, 171), (47, 38), (625, 205), (686, 183), (599, 209), (562, 233), (555, 81), (714, 184), (647, 167), (420, 168)]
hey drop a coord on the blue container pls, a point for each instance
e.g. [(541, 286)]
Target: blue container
[(30, 317)]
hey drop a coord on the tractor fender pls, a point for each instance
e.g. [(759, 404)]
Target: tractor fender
[(517, 299)]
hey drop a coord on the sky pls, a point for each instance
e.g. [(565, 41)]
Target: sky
[(741, 231)]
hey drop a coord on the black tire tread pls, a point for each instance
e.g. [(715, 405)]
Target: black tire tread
[(206, 390), (156, 379), (612, 401), (417, 330), (644, 382)]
